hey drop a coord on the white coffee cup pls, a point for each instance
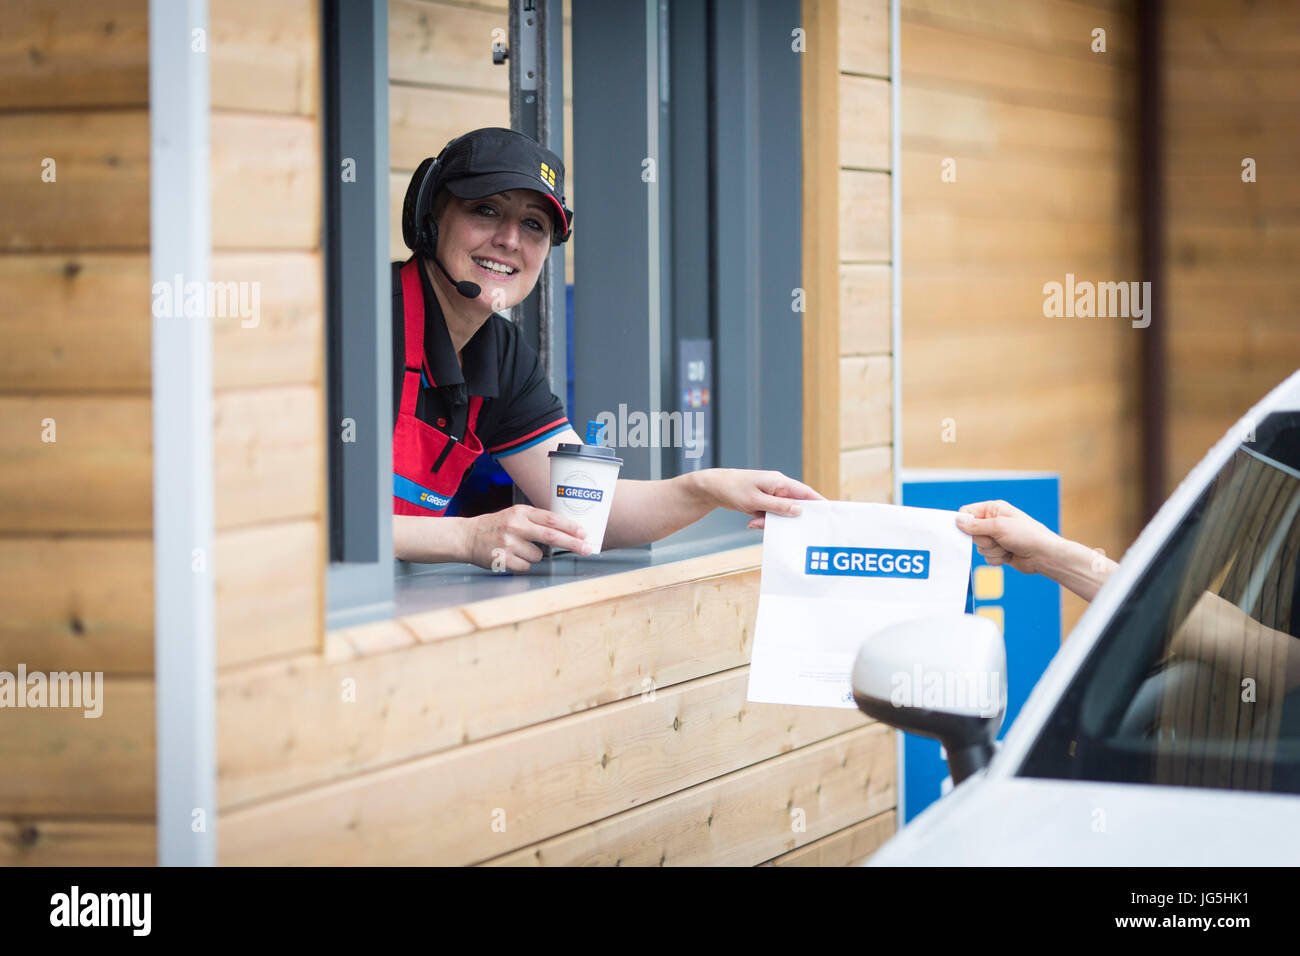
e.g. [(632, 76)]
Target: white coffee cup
[(583, 478)]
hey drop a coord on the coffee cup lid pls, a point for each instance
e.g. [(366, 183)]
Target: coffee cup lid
[(593, 452)]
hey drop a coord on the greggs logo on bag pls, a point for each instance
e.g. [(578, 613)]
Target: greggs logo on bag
[(868, 562), (574, 491)]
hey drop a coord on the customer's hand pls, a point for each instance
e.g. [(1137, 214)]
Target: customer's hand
[(755, 492), (507, 540), (1004, 534)]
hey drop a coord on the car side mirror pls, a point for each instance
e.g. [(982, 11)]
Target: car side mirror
[(941, 677)]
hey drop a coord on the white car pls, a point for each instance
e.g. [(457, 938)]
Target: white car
[(1166, 731)]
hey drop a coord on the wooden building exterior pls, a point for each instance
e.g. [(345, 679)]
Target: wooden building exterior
[(1039, 127), (617, 729), (599, 723)]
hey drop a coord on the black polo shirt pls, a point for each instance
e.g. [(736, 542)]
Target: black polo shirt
[(519, 408)]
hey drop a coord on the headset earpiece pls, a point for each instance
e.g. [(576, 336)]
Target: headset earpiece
[(416, 207), (568, 218)]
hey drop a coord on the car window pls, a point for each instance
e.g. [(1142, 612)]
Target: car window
[(1196, 680)]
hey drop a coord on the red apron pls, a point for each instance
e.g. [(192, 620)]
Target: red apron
[(427, 465)]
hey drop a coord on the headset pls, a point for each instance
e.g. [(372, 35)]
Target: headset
[(419, 231)]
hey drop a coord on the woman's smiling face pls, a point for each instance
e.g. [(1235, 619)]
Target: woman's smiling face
[(498, 242)]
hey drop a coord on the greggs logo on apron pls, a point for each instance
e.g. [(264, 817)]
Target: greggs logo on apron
[(428, 466)]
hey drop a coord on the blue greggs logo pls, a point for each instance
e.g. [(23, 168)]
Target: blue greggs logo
[(868, 562), (574, 491), (430, 500)]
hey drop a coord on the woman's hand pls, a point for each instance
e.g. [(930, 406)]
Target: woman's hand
[(1004, 534), (507, 540), (755, 492)]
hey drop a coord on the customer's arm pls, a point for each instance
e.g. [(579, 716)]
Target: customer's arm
[(1004, 534)]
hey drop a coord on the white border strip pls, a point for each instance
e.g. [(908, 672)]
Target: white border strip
[(180, 240), (896, 313), (653, 214)]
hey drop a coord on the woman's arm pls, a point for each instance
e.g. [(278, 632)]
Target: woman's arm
[(1224, 636), (501, 541), (429, 540), (645, 511), (1006, 535)]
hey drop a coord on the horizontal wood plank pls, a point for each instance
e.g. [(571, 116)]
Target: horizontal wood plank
[(864, 122), (1060, 26), (269, 592), (99, 196), (266, 181), (95, 475), (867, 474), (865, 309), (740, 819), (532, 783), (268, 455), (59, 762), (422, 120), (67, 54), (848, 847), (265, 57), (562, 597), (40, 842), (1002, 68), (864, 216), (864, 37), (1007, 187), (970, 123), (445, 44), (1013, 245), (866, 389), (75, 323), (290, 724), (276, 335), (76, 604)]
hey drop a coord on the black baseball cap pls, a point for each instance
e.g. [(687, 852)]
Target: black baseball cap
[(491, 160)]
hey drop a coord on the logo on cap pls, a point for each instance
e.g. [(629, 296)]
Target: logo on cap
[(548, 175)]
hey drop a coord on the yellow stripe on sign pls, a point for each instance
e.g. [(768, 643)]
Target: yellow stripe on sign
[(989, 583)]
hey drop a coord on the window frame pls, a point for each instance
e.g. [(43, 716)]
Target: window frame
[(1076, 709), (646, 284), (358, 304), (709, 244)]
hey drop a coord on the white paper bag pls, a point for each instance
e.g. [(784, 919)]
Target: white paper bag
[(837, 574)]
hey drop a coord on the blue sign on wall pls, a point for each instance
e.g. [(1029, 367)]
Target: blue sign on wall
[(1026, 606)]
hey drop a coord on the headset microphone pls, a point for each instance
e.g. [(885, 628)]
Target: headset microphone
[(468, 289)]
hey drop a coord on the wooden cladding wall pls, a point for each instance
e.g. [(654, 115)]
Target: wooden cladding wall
[(268, 397), (848, 374), (617, 732), (1018, 169), (1232, 303), (76, 466), (866, 271)]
